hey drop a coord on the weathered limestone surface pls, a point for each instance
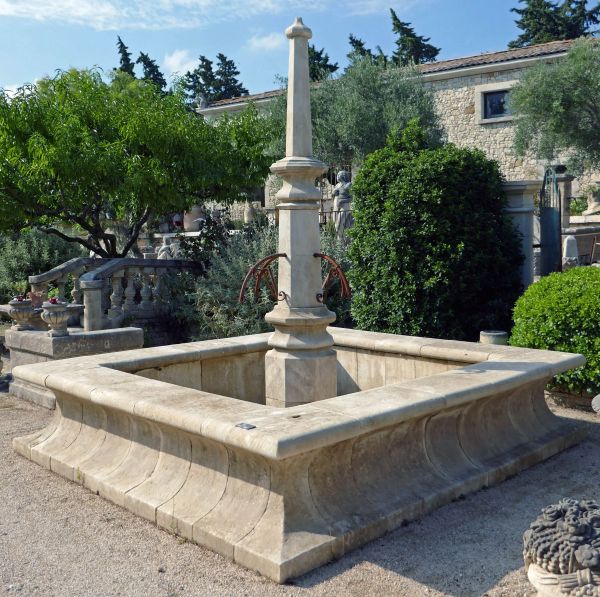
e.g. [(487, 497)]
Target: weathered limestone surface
[(27, 347), (285, 490)]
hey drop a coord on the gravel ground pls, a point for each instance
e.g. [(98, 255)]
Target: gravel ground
[(57, 538)]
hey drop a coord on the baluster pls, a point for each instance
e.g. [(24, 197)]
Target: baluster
[(116, 298), (146, 291), (129, 304), (158, 287), (60, 286), (76, 293)]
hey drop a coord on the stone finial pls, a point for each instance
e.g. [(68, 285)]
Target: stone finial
[(298, 29), (562, 549)]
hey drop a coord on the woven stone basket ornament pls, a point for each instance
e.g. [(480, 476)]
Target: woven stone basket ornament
[(561, 550)]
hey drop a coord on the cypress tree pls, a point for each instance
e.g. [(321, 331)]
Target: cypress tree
[(318, 64), (200, 82), (125, 63), (410, 47), (543, 21), (226, 84), (151, 71)]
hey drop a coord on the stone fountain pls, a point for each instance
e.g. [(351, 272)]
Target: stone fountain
[(283, 451)]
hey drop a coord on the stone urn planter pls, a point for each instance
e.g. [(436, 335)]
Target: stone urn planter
[(561, 550), (56, 315), (20, 311)]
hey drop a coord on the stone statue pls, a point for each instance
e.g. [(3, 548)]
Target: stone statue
[(593, 201), (342, 215), (169, 249), (562, 550)]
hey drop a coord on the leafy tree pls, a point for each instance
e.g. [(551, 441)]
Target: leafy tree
[(354, 114), (433, 252), (208, 84), (318, 64), (151, 71), (77, 151), (125, 63), (410, 47), (543, 21), (558, 109)]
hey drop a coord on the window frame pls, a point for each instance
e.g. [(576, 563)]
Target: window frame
[(480, 93)]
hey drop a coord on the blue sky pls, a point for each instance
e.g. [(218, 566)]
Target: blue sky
[(37, 37)]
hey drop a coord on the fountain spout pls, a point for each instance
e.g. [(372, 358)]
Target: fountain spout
[(301, 365)]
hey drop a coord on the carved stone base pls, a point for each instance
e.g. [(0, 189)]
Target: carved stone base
[(561, 585), (299, 377)]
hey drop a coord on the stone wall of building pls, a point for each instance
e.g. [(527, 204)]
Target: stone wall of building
[(456, 102)]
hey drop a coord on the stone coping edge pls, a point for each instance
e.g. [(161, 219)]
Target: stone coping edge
[(281, 433)]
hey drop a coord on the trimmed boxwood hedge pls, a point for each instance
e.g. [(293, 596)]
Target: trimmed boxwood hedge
[(562, 312), (433, 252)]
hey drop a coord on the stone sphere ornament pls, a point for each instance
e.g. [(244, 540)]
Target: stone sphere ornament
[(562, 550), (20, 311), (55, 313)]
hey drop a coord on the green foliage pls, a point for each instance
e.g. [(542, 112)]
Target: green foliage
[(410, 47), (214, 235), (433, 253), (557, 108), (211, 308), (561, 312), (577, 205), (82, 151), (318, 64), (354, 114), (210, 85), (28, 254), (543, 21)]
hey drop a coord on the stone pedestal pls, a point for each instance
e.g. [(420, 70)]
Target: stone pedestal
[(28, 347)]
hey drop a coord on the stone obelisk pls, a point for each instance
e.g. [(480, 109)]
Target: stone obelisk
[(301, 365)]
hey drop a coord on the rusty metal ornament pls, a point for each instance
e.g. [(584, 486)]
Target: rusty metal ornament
[(260, 271), (335, 272)]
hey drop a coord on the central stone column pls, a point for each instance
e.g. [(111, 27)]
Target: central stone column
[(301, 365)]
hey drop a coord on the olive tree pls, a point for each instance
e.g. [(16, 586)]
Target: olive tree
[(354, 114), (558, 108)]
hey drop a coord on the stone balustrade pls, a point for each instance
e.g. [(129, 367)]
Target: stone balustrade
[(125, 288)]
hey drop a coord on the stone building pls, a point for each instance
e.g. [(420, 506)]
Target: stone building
[(471, 96)]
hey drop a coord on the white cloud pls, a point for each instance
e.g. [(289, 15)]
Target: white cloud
[(178, 63), (266, 43), (175, 14)]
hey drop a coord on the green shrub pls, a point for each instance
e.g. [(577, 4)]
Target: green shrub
[(562, 312), (27, 254), (433, 253), (209, 306)]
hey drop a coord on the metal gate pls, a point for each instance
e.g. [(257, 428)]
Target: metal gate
[(550, 223)]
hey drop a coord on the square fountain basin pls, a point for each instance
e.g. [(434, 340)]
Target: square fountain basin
[(181, 435)]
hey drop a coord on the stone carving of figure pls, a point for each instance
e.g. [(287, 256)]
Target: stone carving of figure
[(593, 201), (342, 215), (169, 249)]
